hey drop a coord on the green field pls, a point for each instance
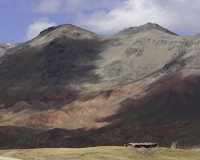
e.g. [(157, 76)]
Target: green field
[(101, 153)]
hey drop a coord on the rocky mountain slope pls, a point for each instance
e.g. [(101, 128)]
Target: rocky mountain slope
[(69, 87)]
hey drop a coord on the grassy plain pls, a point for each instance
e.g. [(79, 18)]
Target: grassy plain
[(99, 153)]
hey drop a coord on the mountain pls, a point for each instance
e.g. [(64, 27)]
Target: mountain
[(70, 87)]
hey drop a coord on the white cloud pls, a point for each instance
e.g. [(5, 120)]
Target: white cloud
[(35, 28), (90, 5), (172, 14), (48, 6)]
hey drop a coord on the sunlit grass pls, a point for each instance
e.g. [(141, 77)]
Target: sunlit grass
[(97, 153)]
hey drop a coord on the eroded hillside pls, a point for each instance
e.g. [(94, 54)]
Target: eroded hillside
[(73, 88)]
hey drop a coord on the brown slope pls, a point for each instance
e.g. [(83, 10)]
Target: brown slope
[(44, 120), (153, 110), (54, 134), (133, 118), (8, 134), (79, 81)]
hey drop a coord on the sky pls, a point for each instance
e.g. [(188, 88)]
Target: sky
[(22, 20)]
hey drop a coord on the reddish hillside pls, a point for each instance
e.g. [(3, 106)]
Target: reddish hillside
[(69, 87)]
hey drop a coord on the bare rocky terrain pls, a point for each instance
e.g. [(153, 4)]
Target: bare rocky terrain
[(69, 87)]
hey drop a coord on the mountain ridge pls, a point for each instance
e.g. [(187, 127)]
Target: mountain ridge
[(137, 85), (146, 27)]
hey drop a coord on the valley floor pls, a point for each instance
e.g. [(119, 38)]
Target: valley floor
[(95, 153)]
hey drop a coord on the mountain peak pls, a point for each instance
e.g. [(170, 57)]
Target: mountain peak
[(144, 28), (68, 30), (46, 31)]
